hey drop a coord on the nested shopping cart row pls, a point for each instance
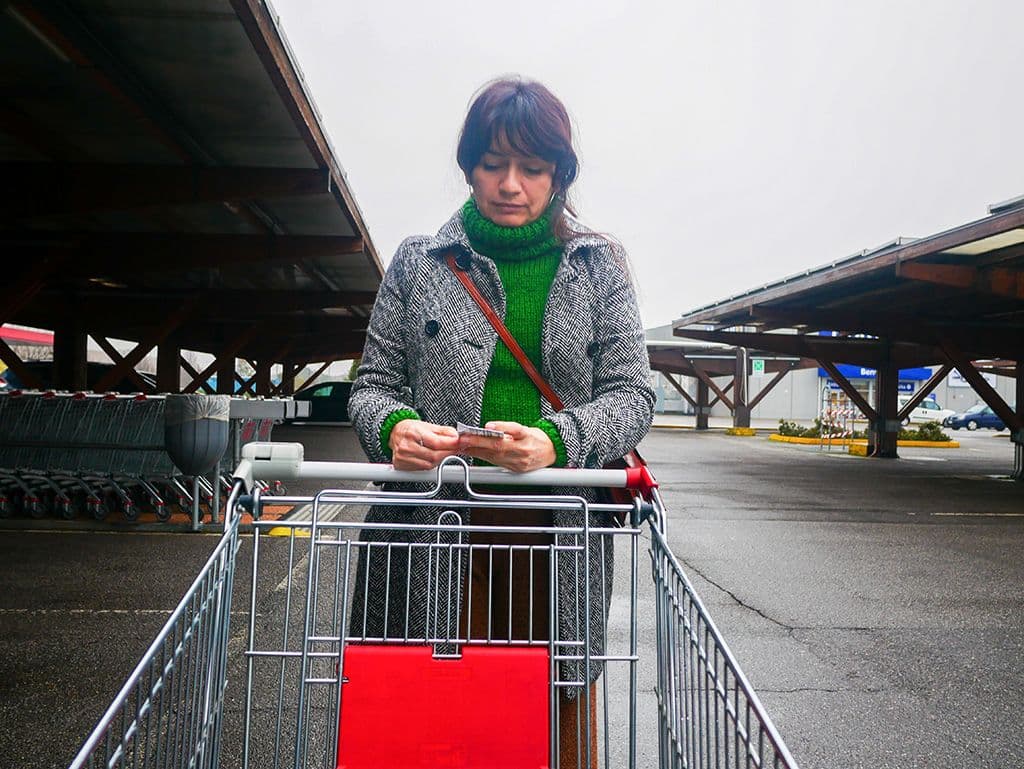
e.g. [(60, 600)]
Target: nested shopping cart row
[(362, 646), (81, 454)]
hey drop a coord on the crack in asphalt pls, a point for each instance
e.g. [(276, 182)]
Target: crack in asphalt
[(789, 628)]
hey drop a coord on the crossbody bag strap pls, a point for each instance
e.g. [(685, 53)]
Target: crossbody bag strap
[(503, 333)]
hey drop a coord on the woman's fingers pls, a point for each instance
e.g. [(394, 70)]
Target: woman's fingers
[(522, 449), (417, 445)]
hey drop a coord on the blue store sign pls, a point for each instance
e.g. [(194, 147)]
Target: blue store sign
[(860, 372)]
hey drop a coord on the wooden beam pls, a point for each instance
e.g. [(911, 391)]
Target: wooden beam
[(863, 352), (23, 288), (316, 374), (49, 189), (983, 388), (923, 391), (156, 336), (116, 358), (121, 256), (779, 375), (679, 388), (727, 389), (709, 382), (15, 364), (1000, 281), (229, 350), (849, 389)]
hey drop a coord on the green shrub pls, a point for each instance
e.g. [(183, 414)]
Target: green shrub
[(929, 431)]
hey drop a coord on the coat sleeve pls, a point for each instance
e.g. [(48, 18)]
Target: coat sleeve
[(382, 382), (620, 414)]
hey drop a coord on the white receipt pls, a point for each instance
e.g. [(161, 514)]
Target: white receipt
[(464, 429)]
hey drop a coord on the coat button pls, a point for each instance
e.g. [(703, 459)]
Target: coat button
[(432, 327), (463, 261), (593, 349)]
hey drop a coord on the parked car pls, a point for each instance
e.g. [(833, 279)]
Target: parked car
[(328, 402), (978, 415), (43, 370), (926, 411)]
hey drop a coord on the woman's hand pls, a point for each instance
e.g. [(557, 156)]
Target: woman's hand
[(522, 449), (417, 445)]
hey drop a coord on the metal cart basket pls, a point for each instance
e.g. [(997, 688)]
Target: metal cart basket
[(368, 645)]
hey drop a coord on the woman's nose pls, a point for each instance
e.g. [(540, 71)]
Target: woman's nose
[(510, 182)]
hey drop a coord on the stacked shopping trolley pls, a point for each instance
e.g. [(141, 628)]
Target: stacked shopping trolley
[(83, 454)]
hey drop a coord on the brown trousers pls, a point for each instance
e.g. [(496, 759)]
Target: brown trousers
[(508, 597)]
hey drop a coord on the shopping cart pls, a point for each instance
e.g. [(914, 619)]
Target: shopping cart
[(363, 645)]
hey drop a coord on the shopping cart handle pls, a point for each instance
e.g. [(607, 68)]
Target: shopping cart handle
[(285, 461), (641, 479)]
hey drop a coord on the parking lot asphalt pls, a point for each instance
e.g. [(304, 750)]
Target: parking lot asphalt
[(875, 605)]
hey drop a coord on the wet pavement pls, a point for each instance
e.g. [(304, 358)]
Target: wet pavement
[(875, 605)]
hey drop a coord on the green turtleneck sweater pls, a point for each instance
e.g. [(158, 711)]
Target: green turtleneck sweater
[(527, 258)]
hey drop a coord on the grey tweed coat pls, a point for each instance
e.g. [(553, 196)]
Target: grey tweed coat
[(429, 348)]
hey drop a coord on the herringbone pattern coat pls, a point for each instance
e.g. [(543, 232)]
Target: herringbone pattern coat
[(429, 348)]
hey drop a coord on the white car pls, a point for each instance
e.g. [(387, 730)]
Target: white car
[(926, 411)]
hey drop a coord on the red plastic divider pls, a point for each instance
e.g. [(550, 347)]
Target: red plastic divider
[(403, 709)]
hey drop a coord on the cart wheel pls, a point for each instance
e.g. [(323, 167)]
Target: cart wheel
[(5, 507), (66, 508), (99, 510), (129, 510), (34, 506), (163, 512), (278, 489)]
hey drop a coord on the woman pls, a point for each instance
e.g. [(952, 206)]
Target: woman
[(432, 360)]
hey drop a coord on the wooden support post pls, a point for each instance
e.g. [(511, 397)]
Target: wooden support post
[(703, 409), (1018, 436), (70, 355), (168, 368), (263, 377), (885, 428), (226, 375)]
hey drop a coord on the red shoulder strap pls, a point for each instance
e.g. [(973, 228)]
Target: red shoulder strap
[(503, 333)]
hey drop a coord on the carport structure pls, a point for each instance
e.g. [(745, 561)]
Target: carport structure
[(170, 184), (952, 300), (704, 362)]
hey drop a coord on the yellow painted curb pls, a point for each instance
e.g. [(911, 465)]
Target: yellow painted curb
[(746, 432), (805, 441), (858, 449), (287, 531), (862, 442)]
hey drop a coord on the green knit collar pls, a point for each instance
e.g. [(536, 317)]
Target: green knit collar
[(508, 243)]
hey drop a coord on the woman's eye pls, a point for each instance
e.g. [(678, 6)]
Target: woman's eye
[(534, 171), (490, 166)]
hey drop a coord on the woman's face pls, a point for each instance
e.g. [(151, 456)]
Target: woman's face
[(512, 189)]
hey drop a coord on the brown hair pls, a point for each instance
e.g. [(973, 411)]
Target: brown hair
[(533, 121)]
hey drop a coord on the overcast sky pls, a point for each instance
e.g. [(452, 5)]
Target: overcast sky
[(726, 144)]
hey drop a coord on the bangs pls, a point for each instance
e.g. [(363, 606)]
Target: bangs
[(519, 127)]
